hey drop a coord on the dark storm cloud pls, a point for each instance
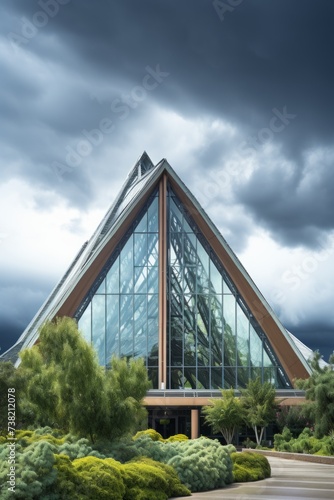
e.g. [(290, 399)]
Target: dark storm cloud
[(317, 336), (20, 297), (10, 332), (264, 55), (297, 206)]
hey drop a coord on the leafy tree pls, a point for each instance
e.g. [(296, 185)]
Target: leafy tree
[(224, 415), (258, 401), (67, 388), (319, 389)]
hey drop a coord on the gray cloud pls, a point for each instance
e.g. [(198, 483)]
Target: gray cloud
[(263, 56)]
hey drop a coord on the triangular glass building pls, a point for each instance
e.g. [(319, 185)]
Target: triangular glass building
[(158, 281)]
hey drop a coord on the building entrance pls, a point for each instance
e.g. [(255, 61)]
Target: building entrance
[(170, 421)]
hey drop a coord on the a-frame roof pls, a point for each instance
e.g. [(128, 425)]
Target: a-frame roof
[(140, 183)]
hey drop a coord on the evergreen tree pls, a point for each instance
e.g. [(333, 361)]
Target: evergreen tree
[(319, 389), (67, 388)]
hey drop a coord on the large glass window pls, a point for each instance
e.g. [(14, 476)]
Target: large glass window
[(212, 340), (121, 316)]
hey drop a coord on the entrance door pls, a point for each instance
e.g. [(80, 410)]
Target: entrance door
[(170, 421), (166, 426)]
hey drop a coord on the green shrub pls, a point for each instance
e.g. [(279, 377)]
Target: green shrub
[(201, 464), (175, 487), (35, 471), (242, 474), (144, 481), (177, 437), (28, 437), (304, 443), (248, 443), (249, 466), (68, 483), (122, 450), (151, 433), (100, 479)]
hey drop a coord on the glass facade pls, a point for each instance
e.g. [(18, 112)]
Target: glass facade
[(120, 317), (212, 341)]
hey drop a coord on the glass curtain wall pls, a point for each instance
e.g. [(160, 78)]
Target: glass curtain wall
[(212, 341), (121, 316)]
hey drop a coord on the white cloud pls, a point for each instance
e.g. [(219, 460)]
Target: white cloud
[(38, 242)]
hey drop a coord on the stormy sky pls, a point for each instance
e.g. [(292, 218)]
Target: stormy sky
[(236, 94)]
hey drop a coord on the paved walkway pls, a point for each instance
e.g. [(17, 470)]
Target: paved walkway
[(290, 480)]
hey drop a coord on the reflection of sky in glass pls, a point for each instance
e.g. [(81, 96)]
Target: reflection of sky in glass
[(122, 318)]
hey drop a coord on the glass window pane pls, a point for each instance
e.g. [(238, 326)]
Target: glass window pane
[(153, 216), (98, 326), (140, 326), (140, 280), (152, 280), (217, 378), (255, 348), (266, 359), (175, 217), (173, 256), (242, 338), (270, 375), (189, 280), (85, 324), (176, 378), (142, 225), (189, 249), (112, 326), (153, 354), (153, 376), (243, 376), (152, 321), (126, 326), (229, 377), (226, 288), (216, 334), (126, 259), (102, 288), (256, 372), (140, 250), (229, 330), (203, 257), (112, 279), (203, 378), (153, 249), (215, 279), (186, 226), (176, 340), (202, 321)]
